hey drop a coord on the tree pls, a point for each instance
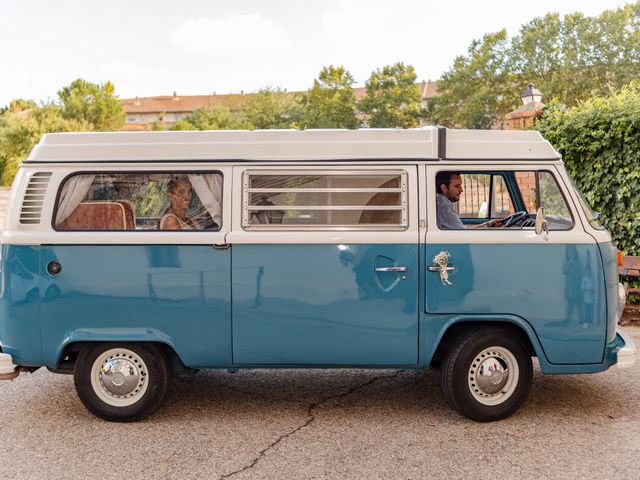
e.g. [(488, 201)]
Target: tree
[(572, 58), (20, 130), (92, 103), (568, 58), (218, 117), (273, 108), (599, 140), (331, 103), (480, 87), (392, 98), (20, 105)]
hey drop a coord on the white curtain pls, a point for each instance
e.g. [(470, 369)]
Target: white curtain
[(73, 192), (208, 187)]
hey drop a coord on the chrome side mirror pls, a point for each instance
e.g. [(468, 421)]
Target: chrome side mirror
[(541, 224)]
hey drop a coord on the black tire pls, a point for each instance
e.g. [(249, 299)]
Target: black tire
[(477, 359), (134, 386)]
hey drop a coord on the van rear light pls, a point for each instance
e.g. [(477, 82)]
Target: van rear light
[(619, 258)]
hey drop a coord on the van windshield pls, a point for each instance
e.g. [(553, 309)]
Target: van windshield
[(592, 217)]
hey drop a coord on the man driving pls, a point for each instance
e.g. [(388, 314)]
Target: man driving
[(449, 189)]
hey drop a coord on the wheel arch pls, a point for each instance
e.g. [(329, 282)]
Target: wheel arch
[(67, 358), (459, 325)]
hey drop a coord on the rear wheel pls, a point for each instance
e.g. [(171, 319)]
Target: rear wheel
[(486, 374), (121, 381)]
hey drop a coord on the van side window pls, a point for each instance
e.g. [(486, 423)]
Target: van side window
[(140, 201), (477, 188), (481, 198), (325, 200), (540, 189)]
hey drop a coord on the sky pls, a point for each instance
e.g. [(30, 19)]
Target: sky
[(197, 47)]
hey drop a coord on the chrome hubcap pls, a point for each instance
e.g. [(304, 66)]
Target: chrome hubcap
[(493, 375), (119, 377)]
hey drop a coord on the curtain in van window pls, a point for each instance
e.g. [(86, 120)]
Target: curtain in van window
[(73, 192), (208, 187)]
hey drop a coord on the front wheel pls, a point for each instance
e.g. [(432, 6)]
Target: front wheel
[(487, 374), (121, 381)]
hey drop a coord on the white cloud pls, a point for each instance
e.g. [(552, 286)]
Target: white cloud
[(236, 35)]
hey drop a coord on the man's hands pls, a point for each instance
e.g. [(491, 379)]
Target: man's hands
[(495, 223)]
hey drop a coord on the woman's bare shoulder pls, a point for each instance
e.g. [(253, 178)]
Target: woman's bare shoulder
[(169, 221)]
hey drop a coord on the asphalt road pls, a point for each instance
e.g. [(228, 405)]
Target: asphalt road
[(303, 424)]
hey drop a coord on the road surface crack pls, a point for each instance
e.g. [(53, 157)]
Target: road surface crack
[(312, 411)]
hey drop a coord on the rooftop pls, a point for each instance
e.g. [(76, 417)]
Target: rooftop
[(427, 143)]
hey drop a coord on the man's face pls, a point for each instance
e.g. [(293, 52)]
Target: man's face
[(454, 190)]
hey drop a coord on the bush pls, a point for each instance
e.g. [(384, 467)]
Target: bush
[(599, 140)]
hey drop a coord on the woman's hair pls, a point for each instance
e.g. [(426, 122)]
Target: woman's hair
[(175, 180), (171, 186)]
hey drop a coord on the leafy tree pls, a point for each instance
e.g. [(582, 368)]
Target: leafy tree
[(20, 130), (331, 103), (92, 103), (480, 87), (599, 140), (392, 97), (20, 105), (568, 58), (273, 108), (572, 58), (218, 117)]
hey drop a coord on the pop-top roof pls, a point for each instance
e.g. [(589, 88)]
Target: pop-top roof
[(427, 143)]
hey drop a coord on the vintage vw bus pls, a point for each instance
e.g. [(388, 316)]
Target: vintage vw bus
[(127, 257)]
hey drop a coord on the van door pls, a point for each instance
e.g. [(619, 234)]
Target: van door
[(113, 270), (553, 282), (324, 263)]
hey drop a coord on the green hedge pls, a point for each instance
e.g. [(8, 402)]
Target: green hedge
[(600, 142)]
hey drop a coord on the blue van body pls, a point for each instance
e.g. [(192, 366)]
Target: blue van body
[(341, 315)]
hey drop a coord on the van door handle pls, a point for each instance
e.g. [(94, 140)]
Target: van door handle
[(435, 268), (391, 269)]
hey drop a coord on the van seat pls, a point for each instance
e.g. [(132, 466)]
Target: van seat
[(129, 214), (97, 216)]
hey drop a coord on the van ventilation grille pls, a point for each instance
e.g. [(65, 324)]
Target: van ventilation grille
[(34, 198)]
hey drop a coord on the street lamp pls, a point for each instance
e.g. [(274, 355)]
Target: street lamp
[(531, 94)]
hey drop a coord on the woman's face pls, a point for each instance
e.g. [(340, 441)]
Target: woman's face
[(181, 196)]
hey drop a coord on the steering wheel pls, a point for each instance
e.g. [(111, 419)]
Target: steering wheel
[(514, 218)]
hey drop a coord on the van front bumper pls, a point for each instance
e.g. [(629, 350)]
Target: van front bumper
[(627, 350), (8, 370)]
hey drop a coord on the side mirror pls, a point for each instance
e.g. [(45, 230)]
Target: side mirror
[(541, 224)]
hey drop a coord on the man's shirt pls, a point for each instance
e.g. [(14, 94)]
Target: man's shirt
[(448, 218)]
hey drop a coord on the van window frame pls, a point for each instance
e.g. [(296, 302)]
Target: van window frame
[(133, 172), (512, 188), (401, 172)]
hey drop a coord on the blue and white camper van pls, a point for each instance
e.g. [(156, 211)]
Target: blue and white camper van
[(127, 257)]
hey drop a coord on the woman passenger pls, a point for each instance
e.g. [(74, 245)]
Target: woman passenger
[(180, 195)]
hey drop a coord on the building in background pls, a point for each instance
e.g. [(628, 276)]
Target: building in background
[(144, 112)]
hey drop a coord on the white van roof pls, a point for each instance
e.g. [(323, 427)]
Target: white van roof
[(426, 143)]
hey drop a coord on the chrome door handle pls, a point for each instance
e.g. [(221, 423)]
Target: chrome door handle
[(391, 269), (435, 268)]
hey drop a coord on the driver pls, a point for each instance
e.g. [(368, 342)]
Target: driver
[(449, 188)]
